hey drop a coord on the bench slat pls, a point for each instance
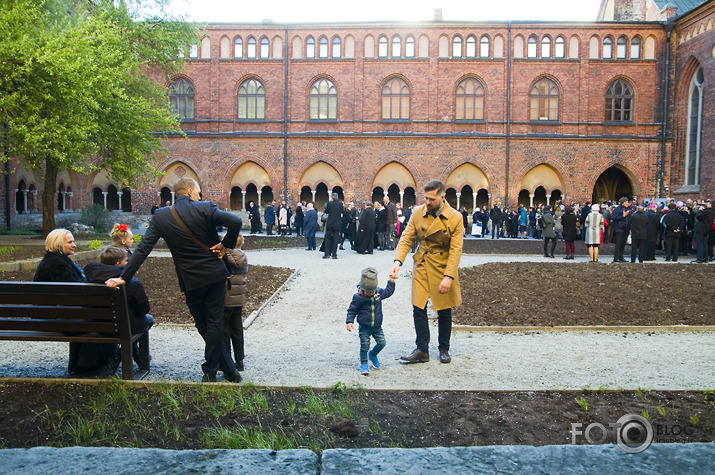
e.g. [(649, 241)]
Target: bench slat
[(53, 312), (46, 336), (54, 299), (67, 326)]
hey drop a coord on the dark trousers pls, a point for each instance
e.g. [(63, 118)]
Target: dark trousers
[(496, 230), (650, 250), (671, 248), (620, 245), (546, 244), (233, 331), (701, 243), (311, 242), (638, 249), (206, 306), (332, 236), (444, 326), (269, 228)]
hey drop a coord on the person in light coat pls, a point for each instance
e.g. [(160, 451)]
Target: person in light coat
[(594, 232), (440, 231)]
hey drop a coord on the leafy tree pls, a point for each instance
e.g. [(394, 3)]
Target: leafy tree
[(81, 86)]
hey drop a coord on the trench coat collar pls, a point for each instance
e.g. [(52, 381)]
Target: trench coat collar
[(444, 213)]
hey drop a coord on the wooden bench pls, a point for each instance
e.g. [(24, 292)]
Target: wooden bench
[(72, 312)]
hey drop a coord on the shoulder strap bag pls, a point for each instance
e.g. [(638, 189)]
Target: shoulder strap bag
[(187, 230)]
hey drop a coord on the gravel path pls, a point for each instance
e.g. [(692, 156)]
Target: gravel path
[(300, 339)]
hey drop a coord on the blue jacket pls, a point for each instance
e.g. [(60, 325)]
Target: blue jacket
[(269, 215), (310, 223), (368, 310)]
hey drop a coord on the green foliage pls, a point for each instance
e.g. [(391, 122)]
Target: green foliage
[(82, 85), (582, 402), (136, 238), (661, 410), (646, 414), (7, 250), (694, 420), (95, 244), (96, 216)]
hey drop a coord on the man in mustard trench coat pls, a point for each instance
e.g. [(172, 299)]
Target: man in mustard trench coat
[(439, 229)]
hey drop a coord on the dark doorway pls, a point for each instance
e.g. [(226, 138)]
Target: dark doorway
[(611, 186)]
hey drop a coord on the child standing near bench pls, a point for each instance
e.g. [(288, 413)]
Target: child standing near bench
[(366, 306)]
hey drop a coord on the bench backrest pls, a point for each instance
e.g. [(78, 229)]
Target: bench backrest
[(64, 308)]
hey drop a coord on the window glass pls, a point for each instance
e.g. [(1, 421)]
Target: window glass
[(531, 48), (636, 48), (544, 100), (410, 47), (484, 47), (238, 48), (560, 47), (264, 48), (619, 101), (471, 47), (469, 100), (323, 100), (695, 130), (608, 48), (457, 47), (193, 51), (395, 100), (251, 100), (396, 47), (382, 47), (621, 47), (546, 47), (310, 48), (323, 48), (181, 98), (251, 48), (336, 47)]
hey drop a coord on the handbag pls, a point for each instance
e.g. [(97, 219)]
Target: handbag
[(476, 230)]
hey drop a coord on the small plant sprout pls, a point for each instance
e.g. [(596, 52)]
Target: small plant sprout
[(582, 402), (661, 410), (646, 414), (694, 420)]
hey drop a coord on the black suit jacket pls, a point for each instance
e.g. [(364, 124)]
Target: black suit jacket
[(195, 266), (334, 210)]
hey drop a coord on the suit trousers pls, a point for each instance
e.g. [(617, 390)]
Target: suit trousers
[(206, 306), (701, 243), (620, 245), (444, 327), (671, 248), (638, 250), (332, 236)]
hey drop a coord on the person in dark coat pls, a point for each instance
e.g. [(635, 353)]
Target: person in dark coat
[(299, 218), (548, 233), (269, 216), (254, 214), (652, 232), (334, 210), (381, 225), (496, 216), (703, 225), (56, 266), (619, 219), (570, 232), (350, 217), (111, 263), (639, 234), (310, 226), (199, 266), (364, 243), (674, 225)]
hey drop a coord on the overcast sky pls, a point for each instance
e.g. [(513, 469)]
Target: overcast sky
[(309, 11)]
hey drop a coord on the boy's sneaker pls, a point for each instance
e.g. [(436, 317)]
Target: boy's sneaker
[(373, 360), (363, 369)]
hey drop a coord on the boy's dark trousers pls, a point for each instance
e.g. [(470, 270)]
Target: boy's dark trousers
[(233, 331)]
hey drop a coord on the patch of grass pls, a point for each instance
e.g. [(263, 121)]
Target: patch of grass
[(582, 402), (694, 420), (95, 244), (661, 410), (268, 242), (646, 414), (7, 250), (240, 437)]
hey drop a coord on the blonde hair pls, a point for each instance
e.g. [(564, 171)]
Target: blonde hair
[(118, 235), (55, 241)]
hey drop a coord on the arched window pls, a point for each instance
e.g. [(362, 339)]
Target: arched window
[(470, 100), (607, 48), (621, 47), (264, 48), (382, 47), (251, 47), (545, 47), (193, 51), (310, 48), (695, 129), (619, 101), (336, 47), (395, 100), (238, 48), (471, 47), (457, 47), (181, 98), (636, 48), (410, 47), (544, 100), (323, 100), (323, 47), (396, 47), (251, 100), (560, 47), (531, 47), (484, 47)]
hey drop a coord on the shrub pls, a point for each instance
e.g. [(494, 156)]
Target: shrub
[(7, 250), (96, 216), (136, 238), (95, 244)]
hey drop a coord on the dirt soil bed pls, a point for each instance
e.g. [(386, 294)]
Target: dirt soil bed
[(35, 414)]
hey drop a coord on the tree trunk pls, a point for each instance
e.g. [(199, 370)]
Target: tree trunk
[(48, 197)]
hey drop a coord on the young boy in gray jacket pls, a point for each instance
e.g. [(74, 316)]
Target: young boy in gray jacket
[(366, 306)]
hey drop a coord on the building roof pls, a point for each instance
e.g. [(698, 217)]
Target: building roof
[(684, 6)]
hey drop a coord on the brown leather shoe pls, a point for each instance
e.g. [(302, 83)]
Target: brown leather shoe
[(444, 356), (417, 356)]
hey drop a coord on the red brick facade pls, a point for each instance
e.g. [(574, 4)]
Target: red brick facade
[(579, 155)]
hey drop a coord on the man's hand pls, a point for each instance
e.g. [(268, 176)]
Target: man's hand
[(394, 271), (115, 282), (350, 327), (445, 285), (219, 250)]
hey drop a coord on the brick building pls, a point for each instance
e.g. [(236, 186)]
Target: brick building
[(508, 112)]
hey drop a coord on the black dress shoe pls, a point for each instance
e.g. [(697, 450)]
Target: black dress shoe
[(335, 257), (444, 356), (326, 257), (233, 377), (417, 356), (239, 365), (209, 377)]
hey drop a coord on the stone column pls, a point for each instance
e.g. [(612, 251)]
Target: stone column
[(402, 198), (548, 199), (68, 203), (312, 192), (119, 198), (531, 200), (243, 200), (474, 202), (173, 196), (104, 196), (24, 201), (458, 198), (33, 193), (259, 199)]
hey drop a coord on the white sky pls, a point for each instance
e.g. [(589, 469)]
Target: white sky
[(317, 11)]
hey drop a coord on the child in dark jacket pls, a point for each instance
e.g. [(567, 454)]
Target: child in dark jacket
[(366, 306)]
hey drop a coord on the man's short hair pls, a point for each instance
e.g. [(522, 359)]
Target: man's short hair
[(181, 187), (435, 185), (334, 196), (111, 255)]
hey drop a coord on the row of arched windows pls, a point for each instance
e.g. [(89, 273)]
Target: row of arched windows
[(470, 100), (395, 46)]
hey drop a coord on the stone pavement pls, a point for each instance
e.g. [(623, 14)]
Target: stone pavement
[(682, 459)]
